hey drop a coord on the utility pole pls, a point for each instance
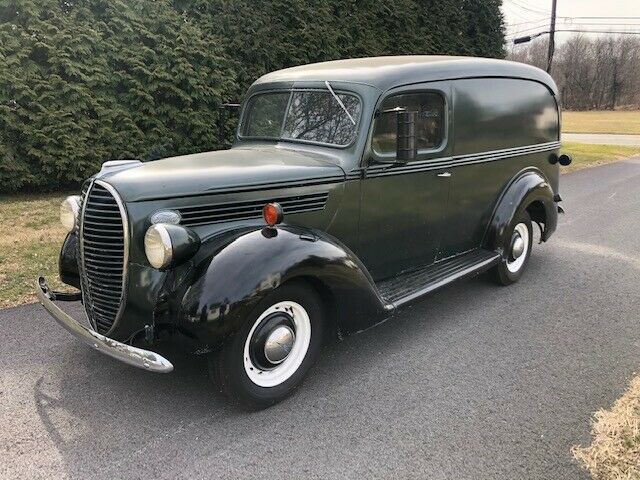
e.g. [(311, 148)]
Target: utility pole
[(552, 31)]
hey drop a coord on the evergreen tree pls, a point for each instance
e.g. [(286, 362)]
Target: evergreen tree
[(85, 81)]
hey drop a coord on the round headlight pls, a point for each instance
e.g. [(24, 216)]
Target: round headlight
[(158, 247), (69, 210)]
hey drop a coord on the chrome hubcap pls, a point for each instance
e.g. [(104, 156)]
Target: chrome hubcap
[(519, 247), (279, 344)]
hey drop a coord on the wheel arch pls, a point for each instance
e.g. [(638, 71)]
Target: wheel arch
[(237, 274), (528, 190), (328, 301), (538, 214)]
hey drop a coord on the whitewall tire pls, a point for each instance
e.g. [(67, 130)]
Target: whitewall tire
[(270, 355), (517, 250)]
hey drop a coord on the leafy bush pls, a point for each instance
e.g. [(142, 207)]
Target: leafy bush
[(84, 81)]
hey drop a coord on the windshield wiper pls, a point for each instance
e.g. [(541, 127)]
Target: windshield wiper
[(326, 82)]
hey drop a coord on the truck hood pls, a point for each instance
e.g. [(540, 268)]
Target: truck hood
[(238, 169)]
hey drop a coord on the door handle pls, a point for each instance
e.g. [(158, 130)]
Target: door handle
[(444, 174)]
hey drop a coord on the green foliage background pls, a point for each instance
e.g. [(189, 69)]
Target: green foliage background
[(85, 81)]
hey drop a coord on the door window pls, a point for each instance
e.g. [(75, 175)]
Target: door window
[(430, 122)]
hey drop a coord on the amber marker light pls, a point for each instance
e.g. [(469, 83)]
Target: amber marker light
[(272, 213)]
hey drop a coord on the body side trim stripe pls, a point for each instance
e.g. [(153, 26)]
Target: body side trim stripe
[(456, 161)]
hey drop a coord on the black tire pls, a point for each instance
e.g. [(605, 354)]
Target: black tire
[(227, 366), (501, 273)]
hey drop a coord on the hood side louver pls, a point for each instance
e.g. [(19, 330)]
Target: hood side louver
[(226, 212)]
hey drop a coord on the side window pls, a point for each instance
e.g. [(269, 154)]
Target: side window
[(430, 124)]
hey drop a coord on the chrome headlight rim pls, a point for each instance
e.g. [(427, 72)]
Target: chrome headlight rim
[(158, 247), (70, 212)]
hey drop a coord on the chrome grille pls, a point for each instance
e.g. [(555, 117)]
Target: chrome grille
[(104, 251)]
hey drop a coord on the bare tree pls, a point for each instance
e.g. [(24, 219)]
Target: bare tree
[(624, 82), (601, 73), (573, 74)]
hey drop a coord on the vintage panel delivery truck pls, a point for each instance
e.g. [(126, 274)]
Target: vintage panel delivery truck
[(352, 188)]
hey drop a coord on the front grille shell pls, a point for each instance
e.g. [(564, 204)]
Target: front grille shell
[(103, 264)]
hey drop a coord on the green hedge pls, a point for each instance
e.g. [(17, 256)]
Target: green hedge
[(84, 81)]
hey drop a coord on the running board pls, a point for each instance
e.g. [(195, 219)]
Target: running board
[(411, 284)]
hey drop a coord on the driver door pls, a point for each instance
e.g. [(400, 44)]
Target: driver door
[(404, 204)]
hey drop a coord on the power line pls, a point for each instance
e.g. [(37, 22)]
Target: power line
[(604, 18), (530, 8), (528, 38), (530, 21), (622, 24), (515, 29), (604, 24), (511, 7), (514, 11), (579, 23), (601, 31), (576, 25), (525, 30), (566, 19)]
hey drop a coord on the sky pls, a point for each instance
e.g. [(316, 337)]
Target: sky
[(525, 17)]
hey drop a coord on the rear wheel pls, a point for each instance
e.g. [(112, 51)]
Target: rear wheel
[(270, 355), (517, 250)]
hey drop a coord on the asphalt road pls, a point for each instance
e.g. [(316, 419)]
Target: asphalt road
[(602, 139), (476, 381)]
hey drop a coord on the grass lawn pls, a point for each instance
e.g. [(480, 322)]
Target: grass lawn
[(29, 245), (585, 155), (615, 448), (601, 122)]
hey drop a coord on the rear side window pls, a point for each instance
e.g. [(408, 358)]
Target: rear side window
[(430, 122)]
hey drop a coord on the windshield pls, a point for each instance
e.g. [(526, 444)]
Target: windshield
[(304, 115)]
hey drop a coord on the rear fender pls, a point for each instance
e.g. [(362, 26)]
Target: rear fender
[(528, 188), (239, 270)]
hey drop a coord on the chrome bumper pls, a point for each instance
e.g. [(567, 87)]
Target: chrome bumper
[(137, 357)]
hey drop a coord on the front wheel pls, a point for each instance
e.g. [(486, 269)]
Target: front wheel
[(270, 355), (517, 250)]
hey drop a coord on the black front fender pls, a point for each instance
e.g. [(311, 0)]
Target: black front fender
[(238, 272), (68, 261), (528, 190)]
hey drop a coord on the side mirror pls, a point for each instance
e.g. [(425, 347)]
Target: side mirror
[(406, 136)]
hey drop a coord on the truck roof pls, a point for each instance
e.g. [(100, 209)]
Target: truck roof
[(392, 71)]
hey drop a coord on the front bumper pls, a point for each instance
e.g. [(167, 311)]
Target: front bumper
[(137, 357)]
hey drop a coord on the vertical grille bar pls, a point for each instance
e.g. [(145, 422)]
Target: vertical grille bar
[(104, 252)]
